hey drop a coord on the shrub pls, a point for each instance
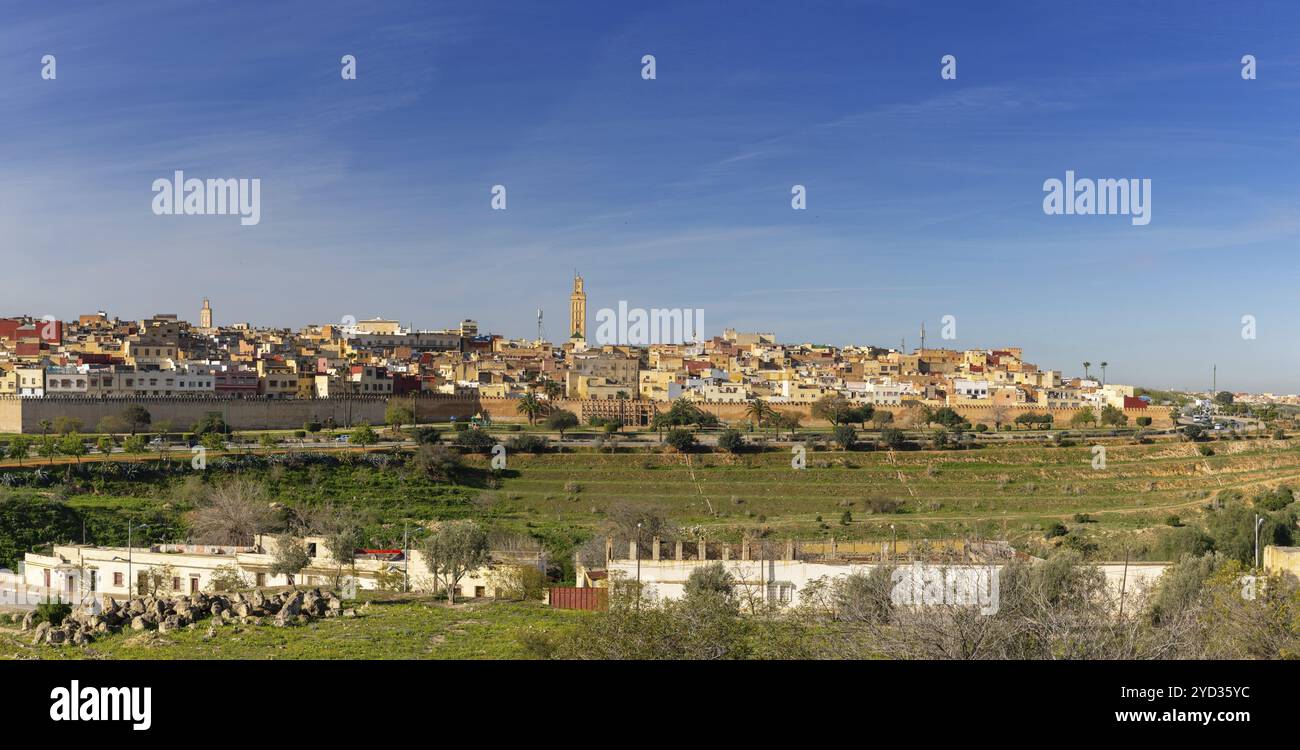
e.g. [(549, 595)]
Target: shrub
[(681, 440), (52, 611), (527, 444), (1056, 529), (892, 437), (883, 505), (477, 441), (1275, 499), (1205, 450), (731, 441)]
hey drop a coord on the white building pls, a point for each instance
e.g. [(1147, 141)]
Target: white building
[(78, 572)]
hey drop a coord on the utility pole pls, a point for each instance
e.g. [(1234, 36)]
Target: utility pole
[(638, 566), (406, 559)]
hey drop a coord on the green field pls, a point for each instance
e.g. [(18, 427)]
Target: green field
[(388, 628), (999, 491)]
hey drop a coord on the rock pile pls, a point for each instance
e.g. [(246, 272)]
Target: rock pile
[(167, 615)]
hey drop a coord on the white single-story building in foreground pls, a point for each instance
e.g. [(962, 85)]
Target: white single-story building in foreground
[(77, 572)]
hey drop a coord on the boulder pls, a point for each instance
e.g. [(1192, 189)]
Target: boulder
[(292, 605), (38, 636), (138, 623), (28, 620)]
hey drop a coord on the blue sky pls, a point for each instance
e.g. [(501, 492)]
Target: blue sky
[(924, 195)]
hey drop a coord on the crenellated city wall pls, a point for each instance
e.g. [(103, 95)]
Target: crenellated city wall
[(26, 414)]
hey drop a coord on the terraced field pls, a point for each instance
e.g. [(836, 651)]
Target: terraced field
[(991, 491)]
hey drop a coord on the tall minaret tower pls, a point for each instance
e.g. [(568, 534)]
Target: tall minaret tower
[(578, 310), (205, 315)]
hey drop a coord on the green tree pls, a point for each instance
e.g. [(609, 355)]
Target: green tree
[(398, 413), (892, 438), (363, 435), (105, 446), (1112, 416), (19, 447), (561, 420), (845, 436), (759, 412), (134, 445), (211, 422), (213, 441), (710, 580), (290, 556), (834, 409), (531, 407), (48, 448), (453, 550), (342, 544), (681, 439), (731, 441), (136, 417), (437, 462)]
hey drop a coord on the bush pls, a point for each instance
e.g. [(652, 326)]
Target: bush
[(1275, 499), (477, 441), (681, 440), (845, 436), (527, 444), (731, 441), (892, 437), (1143, 421), (883, 505), (52, 611), (1056, 529), (1205, 450)]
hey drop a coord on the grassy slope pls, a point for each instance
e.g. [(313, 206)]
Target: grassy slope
[(413, 629)]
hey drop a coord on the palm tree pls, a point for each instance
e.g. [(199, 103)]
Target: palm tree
[(530, 406), (759, 411), (1086, 365), (552, 389), (1103, 372)]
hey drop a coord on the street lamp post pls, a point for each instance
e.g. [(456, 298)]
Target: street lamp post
[(1259, 521), (638, 567)]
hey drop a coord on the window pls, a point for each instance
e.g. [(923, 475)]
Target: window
[(261, 579), (117, 580), (176, 583)]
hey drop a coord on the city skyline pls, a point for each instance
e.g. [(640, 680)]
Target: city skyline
[(924, 195)]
